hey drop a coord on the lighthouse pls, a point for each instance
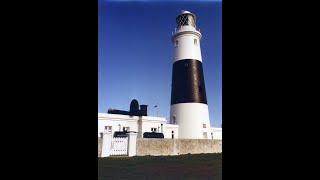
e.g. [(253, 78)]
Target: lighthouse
[(189, 108)]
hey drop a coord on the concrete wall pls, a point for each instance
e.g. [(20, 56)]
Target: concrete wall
[(99, 146), (165, 147), (157, 147)]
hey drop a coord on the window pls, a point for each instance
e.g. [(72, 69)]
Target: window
[(204, 125), (177, 43), (195, 42), (126, 128), (108, 128), (200, 89), (212, 135), (205, 135), (172, 135), (173, 119), (153, 129)]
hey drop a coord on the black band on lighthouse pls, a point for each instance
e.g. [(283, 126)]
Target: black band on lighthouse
[(188, 82)]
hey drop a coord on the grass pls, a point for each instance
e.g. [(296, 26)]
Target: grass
[(191, 166)]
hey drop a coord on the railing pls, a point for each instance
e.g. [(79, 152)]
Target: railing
[(177, 29), (119, 146)]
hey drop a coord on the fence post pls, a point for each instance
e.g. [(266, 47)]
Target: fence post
[(132, 141), (106, 144)]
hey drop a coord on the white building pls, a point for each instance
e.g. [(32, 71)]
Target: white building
[(142, 124)]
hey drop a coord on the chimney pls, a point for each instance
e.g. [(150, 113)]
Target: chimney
[(144, 110)]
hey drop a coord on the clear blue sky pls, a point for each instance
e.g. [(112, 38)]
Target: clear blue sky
[(135, 53)]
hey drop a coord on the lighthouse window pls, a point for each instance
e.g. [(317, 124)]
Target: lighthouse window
[(195, 42), (177, 43), (200, 89), (173, 120)]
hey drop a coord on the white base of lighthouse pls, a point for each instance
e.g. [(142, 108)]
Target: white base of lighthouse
[(193, 120)]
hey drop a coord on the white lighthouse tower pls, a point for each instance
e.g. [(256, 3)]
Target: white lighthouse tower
[(189, 108)]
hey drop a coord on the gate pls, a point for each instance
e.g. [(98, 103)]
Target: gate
[(119, 146)]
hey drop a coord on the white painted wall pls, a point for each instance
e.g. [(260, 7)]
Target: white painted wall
[(168, 131), (132, 122), (186, 48), (148, 122), (190, 117), (147, 125), (217, 133), (114, 121), (132, 144)]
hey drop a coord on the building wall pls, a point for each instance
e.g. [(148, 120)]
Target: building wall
[(115, 125), (190, 117), (141, 124), (157, 147), (146, 126), (168, 128), (216, 133)]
